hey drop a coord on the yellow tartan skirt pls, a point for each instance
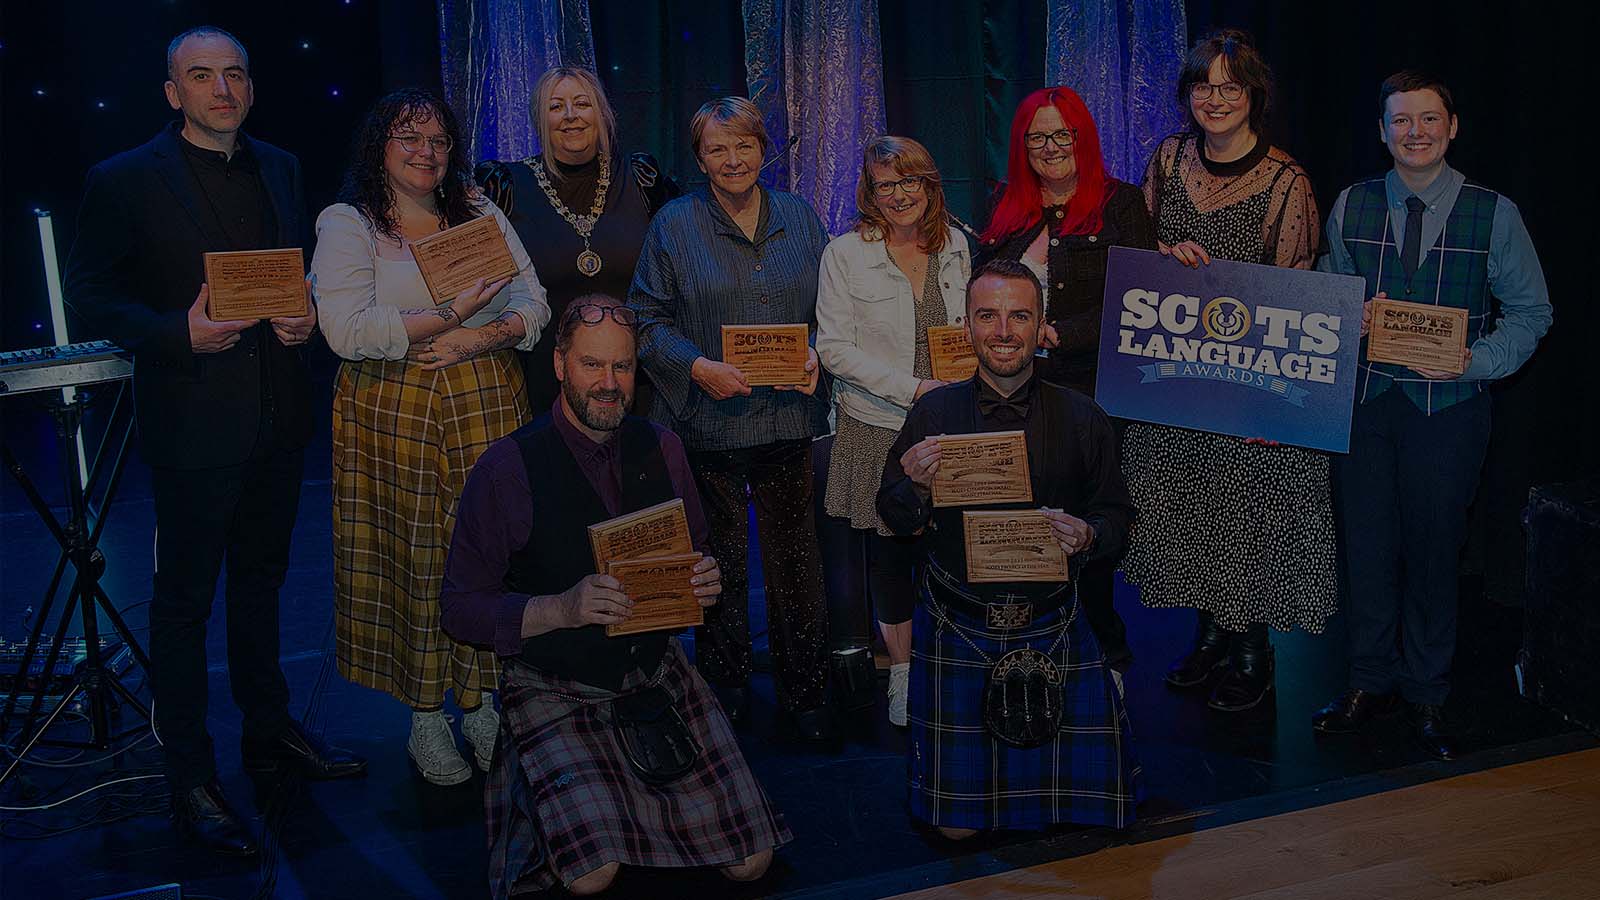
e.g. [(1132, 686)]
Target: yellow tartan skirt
[(403, 442)]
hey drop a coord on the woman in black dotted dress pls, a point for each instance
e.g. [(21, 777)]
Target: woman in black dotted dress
[(1240, 530)]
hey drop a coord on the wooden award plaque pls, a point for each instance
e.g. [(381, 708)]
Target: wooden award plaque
[(974, 469), (1418, 335), (256, 284), (1011, 545), (455, 258), (768, 354), (660, 530), (661, 593), (950, 351)]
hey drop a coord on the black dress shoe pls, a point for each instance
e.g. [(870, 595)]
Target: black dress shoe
[(735, 700), (1352, 709), (1427, 724), (1209, 654), (305, 753), (815, 725), (203, 814), (1248, 680)]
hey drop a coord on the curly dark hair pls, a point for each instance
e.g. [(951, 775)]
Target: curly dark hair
[(366, 187)]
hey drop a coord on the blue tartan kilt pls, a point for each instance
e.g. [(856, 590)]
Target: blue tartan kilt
[(960, 777)]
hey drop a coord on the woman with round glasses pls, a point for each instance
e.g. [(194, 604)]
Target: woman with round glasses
[(581, 206), (1240, 530), (424, 389), (1059, 213), (883, 284)]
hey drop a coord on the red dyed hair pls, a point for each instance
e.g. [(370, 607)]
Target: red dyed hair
[(1019, 207)]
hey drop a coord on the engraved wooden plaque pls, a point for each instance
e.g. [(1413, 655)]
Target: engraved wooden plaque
[(1418, 335), (452, 260), (661, 593), (768, 354), (1011, 545), (660, 530), (256, 284), (975, 469), (950, 351)]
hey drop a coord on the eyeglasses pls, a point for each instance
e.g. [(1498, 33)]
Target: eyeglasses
[(594, 314), (1035, 140), (911, 184), (1230, 91), (412, 143)]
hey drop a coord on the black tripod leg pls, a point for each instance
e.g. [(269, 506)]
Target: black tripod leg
[(50, 663), (32, 649), (121, 626), (20, 755)]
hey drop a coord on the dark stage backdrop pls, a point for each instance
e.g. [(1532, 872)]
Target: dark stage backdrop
[(953, 71)]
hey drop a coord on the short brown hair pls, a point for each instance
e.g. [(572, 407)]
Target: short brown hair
[(1009, 270), (1245, 65), (571, 321), (1407, 80), (737, 113), (906, 157)]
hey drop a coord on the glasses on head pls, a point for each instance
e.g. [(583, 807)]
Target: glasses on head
[(1230, 91), (911, 184), (594, 314), (1035, 140), (413, 143)]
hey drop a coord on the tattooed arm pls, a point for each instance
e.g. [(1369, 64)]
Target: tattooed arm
[(459, 344)]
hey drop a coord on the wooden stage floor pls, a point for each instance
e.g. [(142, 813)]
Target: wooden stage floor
[(1521, 832)]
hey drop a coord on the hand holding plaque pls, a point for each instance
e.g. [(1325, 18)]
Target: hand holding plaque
[(660, 530), (256, 284), (453, 260), (990, 467), (950, 351), (662, 591), (768, 355), (1420, 336), (1011, 545)]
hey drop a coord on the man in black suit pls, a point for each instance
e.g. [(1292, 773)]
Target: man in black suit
[(223, 411)]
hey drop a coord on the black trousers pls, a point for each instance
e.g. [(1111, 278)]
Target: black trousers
[(243, 514), (844, 561), (777, 478), (1403, 493)]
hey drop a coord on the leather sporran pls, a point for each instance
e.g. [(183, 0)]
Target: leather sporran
[(1022, 699), (655, 740)]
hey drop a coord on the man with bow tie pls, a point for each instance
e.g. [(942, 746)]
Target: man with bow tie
[(968, 771)]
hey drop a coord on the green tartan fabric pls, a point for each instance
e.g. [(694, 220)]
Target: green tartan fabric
[(1453, 272)]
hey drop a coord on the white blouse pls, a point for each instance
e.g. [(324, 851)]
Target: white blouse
[(362, 281)]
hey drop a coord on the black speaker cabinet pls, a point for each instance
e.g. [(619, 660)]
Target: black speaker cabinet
[(1559, 666)]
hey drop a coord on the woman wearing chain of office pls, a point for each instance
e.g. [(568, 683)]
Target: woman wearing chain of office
[(580, 207)]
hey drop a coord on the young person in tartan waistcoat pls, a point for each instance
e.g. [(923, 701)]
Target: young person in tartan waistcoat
[(962, 777), (565, 804), (1425, 234)]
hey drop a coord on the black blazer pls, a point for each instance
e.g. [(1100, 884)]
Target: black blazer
[(132, 275)]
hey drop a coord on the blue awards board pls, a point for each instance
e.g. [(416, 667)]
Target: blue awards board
[(1235, 348)]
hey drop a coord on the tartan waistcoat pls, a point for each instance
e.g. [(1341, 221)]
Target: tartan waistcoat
[(1452, 272), (558, 553)]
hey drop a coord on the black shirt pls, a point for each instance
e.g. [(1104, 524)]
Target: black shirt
[(234, 192)]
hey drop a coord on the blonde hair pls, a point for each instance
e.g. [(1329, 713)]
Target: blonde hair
[(735, 113), (906, 157), (540, 103)]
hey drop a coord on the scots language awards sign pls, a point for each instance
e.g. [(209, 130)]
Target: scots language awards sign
[(1234, 348)]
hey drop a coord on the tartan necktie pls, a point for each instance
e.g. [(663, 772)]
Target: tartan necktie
[(1411, 250)]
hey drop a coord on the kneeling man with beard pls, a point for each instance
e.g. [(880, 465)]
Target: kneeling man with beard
[(566, 803)]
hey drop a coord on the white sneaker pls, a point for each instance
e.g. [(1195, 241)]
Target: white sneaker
[(481, 728), (899, 687), (433, 748)]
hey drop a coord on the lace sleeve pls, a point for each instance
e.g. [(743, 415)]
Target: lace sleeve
[(1293, 230)]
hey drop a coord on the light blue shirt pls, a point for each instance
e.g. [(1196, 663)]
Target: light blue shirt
[(1515, 276)]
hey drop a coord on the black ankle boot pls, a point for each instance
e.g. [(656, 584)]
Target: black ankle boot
[(1249, 677), (1210, 652)]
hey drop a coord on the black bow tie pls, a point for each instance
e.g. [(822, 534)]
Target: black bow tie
[(992, 405)]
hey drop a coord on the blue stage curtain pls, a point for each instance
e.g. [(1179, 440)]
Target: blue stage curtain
[(815, 69), (492, 53), (1123, 57)]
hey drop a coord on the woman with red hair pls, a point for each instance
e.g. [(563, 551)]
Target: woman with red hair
[(1058, 213)]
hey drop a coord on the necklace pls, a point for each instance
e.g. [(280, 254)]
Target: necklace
[(588, 260)]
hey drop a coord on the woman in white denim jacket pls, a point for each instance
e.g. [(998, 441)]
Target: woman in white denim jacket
[(901, 270)]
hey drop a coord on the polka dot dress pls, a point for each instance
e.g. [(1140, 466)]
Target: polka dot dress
[(1243, 532)]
